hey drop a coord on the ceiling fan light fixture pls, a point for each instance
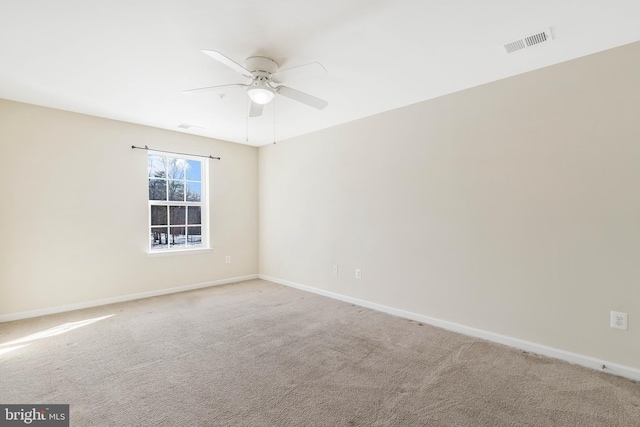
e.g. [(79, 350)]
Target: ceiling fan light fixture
[(261, 94)]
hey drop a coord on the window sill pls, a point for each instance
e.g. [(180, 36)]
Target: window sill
[(179, 252)]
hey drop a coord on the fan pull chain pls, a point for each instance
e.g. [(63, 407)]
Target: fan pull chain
[(247, 130), (274, 120)]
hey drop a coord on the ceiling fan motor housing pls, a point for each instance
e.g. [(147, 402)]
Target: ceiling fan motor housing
[(260, 91), (261, 66)]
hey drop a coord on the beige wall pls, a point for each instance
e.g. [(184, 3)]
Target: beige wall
[(73, 221), (513, 207)]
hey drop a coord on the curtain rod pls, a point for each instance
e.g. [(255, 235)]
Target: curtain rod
[(173, 152)]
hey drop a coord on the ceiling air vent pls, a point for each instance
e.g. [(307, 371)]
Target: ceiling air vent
[(528, 41), (188, 126)]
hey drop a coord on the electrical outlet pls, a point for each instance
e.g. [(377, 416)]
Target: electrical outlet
[(358, 273), (335, 269), (227, 259), (618, 320)]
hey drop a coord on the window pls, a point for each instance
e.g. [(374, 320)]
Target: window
[(177, 203)]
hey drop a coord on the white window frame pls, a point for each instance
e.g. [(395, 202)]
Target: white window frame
[(203, 203)]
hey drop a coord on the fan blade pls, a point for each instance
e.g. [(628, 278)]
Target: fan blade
[(305, 98), (202, 89), (255, 110), (307, 71), (228, 62)]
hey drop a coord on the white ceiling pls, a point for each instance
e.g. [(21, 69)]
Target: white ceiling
[(130, 60)]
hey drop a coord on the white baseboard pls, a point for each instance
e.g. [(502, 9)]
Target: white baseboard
[(578, 359), (70, 307)]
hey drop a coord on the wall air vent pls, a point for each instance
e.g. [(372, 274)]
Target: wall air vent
[(528, 41)]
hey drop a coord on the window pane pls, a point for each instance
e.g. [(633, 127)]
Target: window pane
[(176, 191), (157, 189), (159, 238), (176, 167), (194, 170), (193, 191), (177, 214), (156, 166), (177, 237), (194, 215), (176, 207), (159, 215), (194, 236)]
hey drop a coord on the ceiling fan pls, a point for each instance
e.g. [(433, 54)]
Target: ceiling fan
[(265, 81)]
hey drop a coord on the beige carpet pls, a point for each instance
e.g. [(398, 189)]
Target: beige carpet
[(260, 354)]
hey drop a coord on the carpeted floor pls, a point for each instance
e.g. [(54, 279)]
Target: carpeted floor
[(260, 354)]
